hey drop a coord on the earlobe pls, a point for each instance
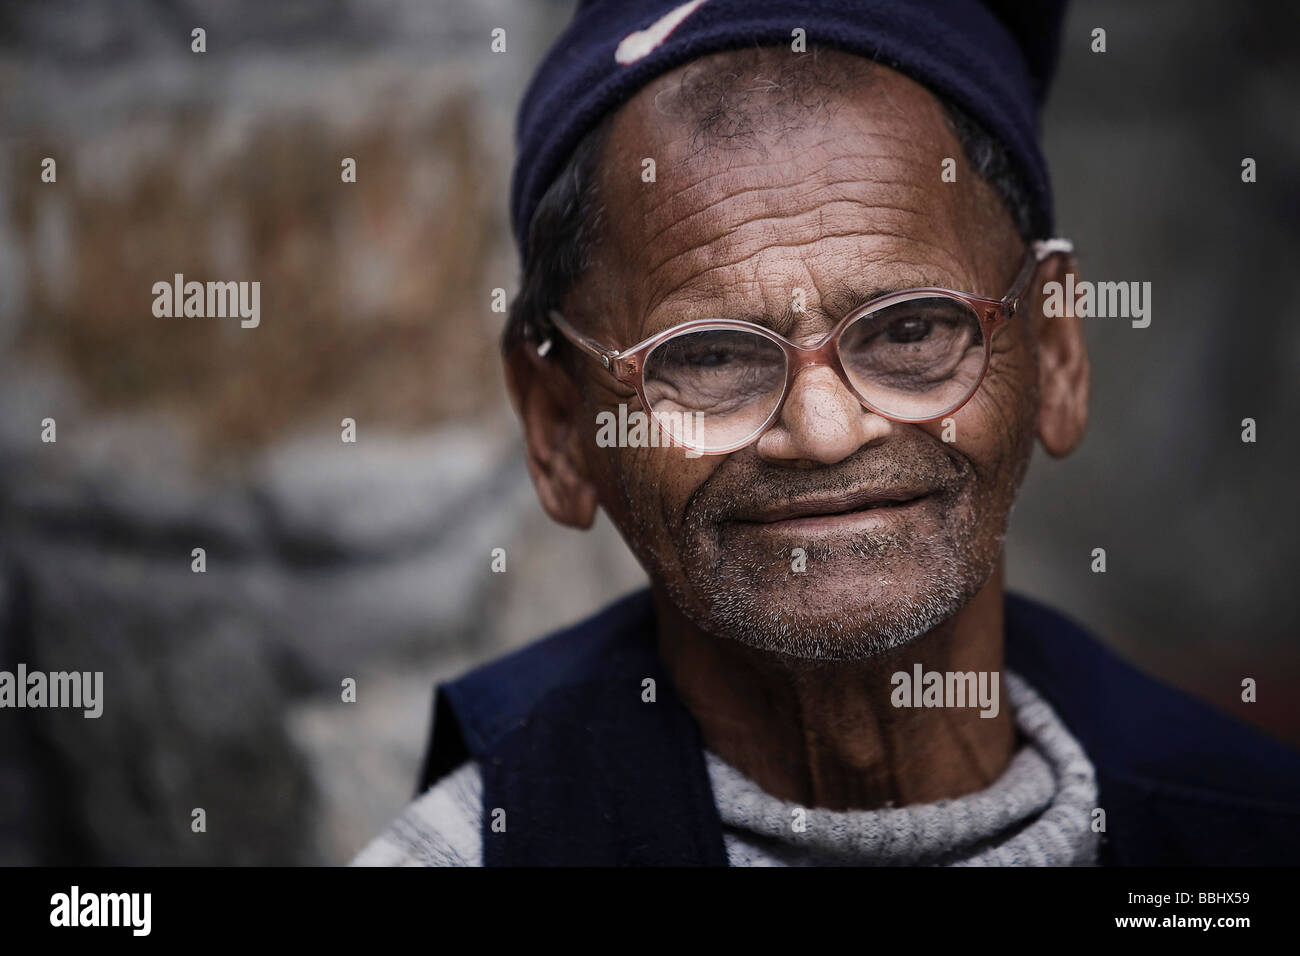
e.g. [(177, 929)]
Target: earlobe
[(1063, 370), (547, 403)]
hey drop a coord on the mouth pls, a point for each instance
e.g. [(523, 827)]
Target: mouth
[(839, 512)]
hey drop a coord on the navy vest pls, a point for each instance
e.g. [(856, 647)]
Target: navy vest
[(589, 774)]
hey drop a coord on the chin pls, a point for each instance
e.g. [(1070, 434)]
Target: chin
[(838, 618), (852, 594)]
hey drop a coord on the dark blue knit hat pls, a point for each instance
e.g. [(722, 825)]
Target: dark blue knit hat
[(993, 58)]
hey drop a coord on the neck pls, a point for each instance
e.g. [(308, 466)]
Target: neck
[(825, 733)]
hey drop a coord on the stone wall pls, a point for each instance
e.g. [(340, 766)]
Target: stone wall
[(324, 560)]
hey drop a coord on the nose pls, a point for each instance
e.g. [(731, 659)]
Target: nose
[(821, 422)]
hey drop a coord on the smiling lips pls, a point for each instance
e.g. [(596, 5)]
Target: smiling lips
[(834, 512)]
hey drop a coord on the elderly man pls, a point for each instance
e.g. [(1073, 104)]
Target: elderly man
[(809, 241)]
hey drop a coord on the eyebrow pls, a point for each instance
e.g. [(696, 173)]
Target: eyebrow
[(839, 302), (836, 304)]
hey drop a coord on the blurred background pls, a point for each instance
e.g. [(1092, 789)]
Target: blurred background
[(371, 560)]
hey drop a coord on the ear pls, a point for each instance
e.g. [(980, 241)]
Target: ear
[(548, 404), (1063, 372)]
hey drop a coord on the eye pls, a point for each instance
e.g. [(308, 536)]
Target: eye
[(715, 351), (706, 358), (910, 329)]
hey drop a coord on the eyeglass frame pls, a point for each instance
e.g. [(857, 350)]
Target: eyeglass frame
[(628, 365)]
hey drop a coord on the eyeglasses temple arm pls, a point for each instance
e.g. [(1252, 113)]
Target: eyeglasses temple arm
[(1039, 250), (598, 351)]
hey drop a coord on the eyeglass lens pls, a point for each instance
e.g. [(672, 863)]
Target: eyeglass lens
[(914, 359)]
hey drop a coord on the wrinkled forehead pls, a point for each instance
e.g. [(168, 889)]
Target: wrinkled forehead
[(725, 188)]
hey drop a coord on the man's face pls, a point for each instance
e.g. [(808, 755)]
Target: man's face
[(853, 202)]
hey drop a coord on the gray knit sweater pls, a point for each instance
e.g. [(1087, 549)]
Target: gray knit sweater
[(1038, 813)]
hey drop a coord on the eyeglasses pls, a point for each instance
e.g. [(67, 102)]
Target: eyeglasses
[(917, 355)]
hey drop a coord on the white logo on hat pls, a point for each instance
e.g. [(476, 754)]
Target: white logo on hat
[(636, 45)]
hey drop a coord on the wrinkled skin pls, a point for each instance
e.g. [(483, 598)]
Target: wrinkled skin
[(850, 203)]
